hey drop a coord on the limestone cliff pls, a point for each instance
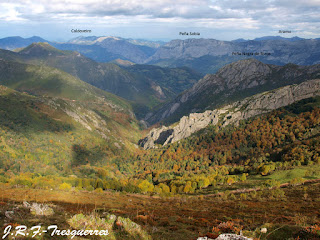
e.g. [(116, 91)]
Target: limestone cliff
[(232, 113)]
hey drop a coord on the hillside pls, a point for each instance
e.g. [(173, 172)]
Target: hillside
[(52, 135), (231, 83), (51, 99), (146, 86), (282, 139), (42, 80)]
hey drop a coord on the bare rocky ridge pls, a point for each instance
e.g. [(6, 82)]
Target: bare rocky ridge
[(233, 113), (231, 83)]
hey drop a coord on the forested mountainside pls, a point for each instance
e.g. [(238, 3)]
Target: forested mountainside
[(282, 139)]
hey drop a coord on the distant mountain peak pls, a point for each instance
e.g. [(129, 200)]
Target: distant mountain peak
[(122, 62), (243, 63), (36, 39), (244, 69), (11, 43), (40, 49), (292, 39), (100, 39), (90, 40)]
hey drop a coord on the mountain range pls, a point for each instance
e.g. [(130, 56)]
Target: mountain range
[(11, 43), (209, 55), (144, 85), (202, 55), (105, 49), (162, 94), (292, 39), (235, 129)]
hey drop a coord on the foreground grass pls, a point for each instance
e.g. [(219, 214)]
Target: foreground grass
[(179, 217)]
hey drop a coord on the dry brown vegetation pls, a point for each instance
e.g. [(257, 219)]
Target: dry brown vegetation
[(181, 217)]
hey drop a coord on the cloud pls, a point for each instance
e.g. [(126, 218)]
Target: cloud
[(8, 12), (185, 9), (266, 15)]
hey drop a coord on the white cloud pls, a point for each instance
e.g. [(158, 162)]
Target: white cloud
[(8, 12), (263, 15)]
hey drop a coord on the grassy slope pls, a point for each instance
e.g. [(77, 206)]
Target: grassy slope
[(284, 176), (41, 131), (42, 80), (109, 77), (257, 181)]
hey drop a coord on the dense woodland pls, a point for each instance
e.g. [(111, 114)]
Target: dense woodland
[(283, 139)]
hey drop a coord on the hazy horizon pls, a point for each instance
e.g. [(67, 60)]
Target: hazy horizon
[(160, 20), (146, 39)]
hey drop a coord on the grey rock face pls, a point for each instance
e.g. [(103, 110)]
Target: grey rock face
[(232, 82), (233, 113), (231, 236), (192, 48)]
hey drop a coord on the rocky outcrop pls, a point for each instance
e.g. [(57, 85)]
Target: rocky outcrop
[(226, 236), (231, 236), (233, 113), (186, 126)]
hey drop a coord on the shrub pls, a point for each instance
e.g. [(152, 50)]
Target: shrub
[(272, 183), (3, 179), (99, 190), (90, 188), (146, 186), (296, 181), (243, 196), (22, 181), (65, 186), (229, 227)]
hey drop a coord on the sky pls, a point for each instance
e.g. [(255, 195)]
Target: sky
[(160, 19)]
